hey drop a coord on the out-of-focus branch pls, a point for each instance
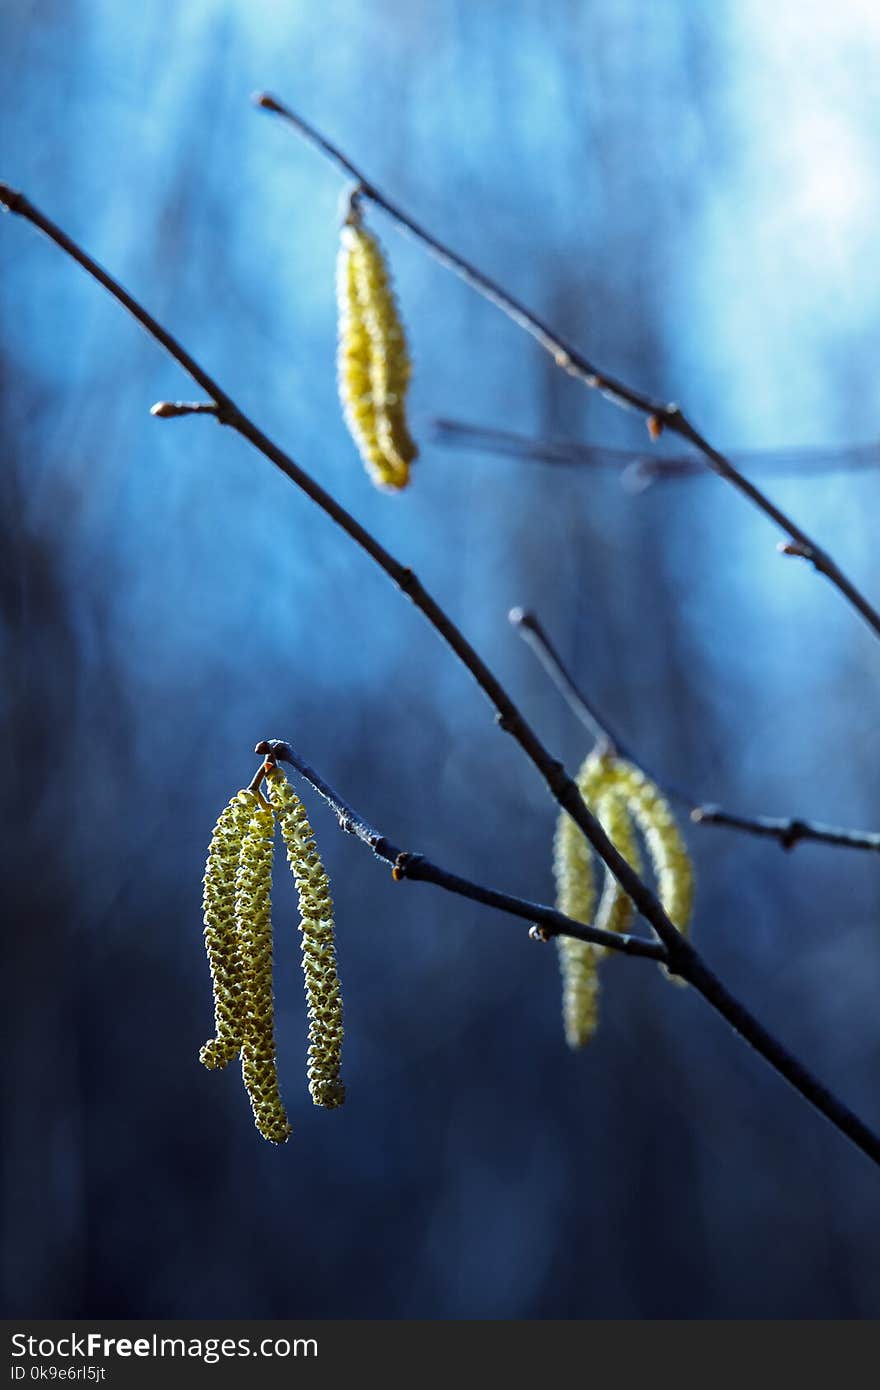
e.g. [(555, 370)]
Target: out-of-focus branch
[(787, 832), (406, 864), (681, 957), (658, 415), (638, 469)]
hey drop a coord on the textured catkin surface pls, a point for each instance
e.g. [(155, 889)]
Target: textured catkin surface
[(668, 853), (323, 994), (624, 801), (615, 911), (373, 362), (576, 897), (253, 906), (221, 934)]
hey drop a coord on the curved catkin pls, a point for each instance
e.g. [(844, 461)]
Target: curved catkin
[(373, 363), (576, 897), (253, 903), (221, 935), (323, 994), (668, 852), (616, 910)]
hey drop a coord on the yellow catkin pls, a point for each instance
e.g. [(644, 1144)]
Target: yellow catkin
[(323, 995), (668, 852), (576, 897), (670, 860), (253, 904), (616, 911), (373, 363), (221, 936)]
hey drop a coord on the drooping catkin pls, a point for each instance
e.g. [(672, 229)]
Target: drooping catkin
[(373, 362), (667, 850), (323, 995), (221, 935), (616, 911), (253, 905), (576, 897)]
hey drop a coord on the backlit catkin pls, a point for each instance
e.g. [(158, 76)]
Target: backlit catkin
[(624, 801), (666, 848), (616, 911), (323, 995), (253, 906), (373, 362), (576, 897), (221, 935)]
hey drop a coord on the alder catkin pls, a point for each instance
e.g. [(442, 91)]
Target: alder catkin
[(576, 897), (667, 850), (253, 905), (373, 362), (323, 995), (616, 910), (221, 935)]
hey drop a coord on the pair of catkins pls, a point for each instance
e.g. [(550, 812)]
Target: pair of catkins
[(238, 940), (628, 806)]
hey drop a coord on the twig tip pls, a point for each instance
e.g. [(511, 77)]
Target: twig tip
[(266, 102)]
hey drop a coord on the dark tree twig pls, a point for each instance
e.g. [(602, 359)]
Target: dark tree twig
[(787, 832), (658, 415), (406, 864), (682, 959)]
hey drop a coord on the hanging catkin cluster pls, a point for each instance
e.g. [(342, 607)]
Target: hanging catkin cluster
[(323, 995), (373, 362), (624, 801), (238, 940)]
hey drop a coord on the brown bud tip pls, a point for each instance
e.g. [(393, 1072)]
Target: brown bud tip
[(655, 426), (538, 933), (794, 548), (267, 102), (263, 747), (397, 874), (163, 410)]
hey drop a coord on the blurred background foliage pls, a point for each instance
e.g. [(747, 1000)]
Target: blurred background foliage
[(691, 193)]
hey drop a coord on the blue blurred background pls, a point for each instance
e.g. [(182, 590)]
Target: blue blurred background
[(690, 193)]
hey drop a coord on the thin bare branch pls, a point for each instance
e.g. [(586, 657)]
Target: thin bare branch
[(787, 832), (409, 865), (682, 958), (658, 415), (172, 410)]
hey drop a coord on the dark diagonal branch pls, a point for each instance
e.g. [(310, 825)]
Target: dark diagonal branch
[(406, 864), (787, 832), (658, 414), (682, 958)]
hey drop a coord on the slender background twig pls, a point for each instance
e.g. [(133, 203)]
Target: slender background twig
[(638, 469), (682, 958)]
